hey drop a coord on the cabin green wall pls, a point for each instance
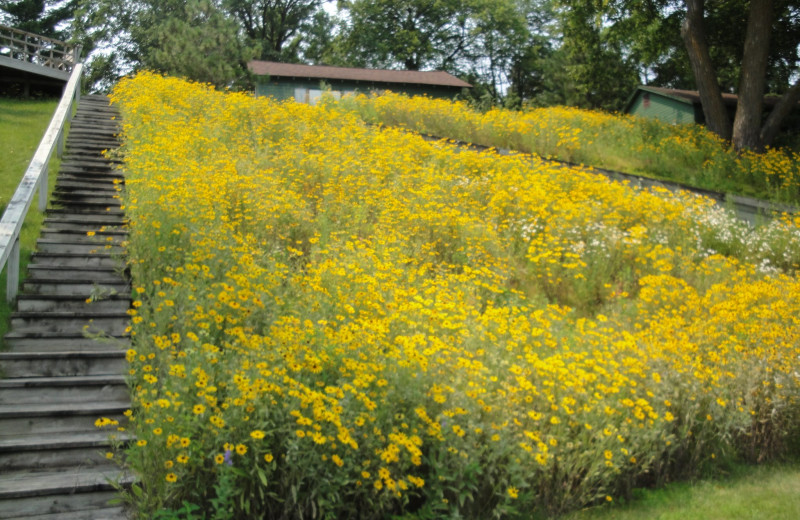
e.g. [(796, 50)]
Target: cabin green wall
[(663, 108), (283, 88)]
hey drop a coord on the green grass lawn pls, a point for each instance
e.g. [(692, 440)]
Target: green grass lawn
[(22, 125), (770, 492)]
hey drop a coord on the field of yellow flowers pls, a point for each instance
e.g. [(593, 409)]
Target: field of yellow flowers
[(689, 154), (333, 320)]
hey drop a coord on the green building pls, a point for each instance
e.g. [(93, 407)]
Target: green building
[(672, 105), (304, 83)]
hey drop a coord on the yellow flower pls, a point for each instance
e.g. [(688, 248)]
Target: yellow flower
[(512, 492), (268, 457), (257, 434), (219, 458), (241, 449), (171, 477)]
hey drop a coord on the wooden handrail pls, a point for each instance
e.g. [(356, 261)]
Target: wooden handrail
[(33, 48), (36, 174)]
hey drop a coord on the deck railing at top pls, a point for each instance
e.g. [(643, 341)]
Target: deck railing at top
[(35, 175), (37, 49)]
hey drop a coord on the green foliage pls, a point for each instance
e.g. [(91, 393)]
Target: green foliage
[(412, 34), (276, 27), (38, 16), (599, 73), (200, 44)]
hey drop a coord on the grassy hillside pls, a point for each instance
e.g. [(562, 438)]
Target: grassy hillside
[(22, 125), (334, 317)]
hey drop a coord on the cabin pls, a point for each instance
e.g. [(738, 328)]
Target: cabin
[(672, 105), (30, 63), (677, 106), (306, 83)]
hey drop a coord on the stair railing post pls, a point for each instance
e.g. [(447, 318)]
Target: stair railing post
[(12, 274), (43, 185), (60, 143)]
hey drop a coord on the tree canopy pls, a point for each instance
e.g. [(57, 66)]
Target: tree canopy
[(588, 53), (46, 18)]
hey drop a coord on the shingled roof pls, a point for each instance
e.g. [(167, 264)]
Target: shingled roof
[(692, 96), (322, 72)]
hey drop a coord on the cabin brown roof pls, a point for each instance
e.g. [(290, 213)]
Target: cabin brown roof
[(290, 70), (693, 96), (688, 95)]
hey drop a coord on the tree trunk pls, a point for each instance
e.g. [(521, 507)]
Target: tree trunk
[(747, 124), (785, 105), (694, 39)]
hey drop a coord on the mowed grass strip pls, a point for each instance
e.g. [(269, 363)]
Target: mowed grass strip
[(22, 125), (753, 493)]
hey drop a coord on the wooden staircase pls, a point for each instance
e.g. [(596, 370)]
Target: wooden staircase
[(58, 379)]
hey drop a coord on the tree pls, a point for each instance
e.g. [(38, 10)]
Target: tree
[(201, 45), (410, 34), (598, 62), (763, 17), (195, 39), (38, 16), (528, 76), (499, 33), (663, 36), (321, 43), (274, 25)]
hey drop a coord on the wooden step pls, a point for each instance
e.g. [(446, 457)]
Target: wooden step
[(37, 303), (85, 274), (90, 213), (101, 233), (56, 342), (56, 237), (92, 322), (69, 182), (71, 260), (81, 506), (21, 484), (73, 274), (114, 227), (17, 420), (106, 173), (63, 389), (63, 363), (100, 513), (99, 289), (51, 246), (57, 450)]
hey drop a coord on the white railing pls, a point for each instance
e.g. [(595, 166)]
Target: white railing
[(33, 48), (35, 175)]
